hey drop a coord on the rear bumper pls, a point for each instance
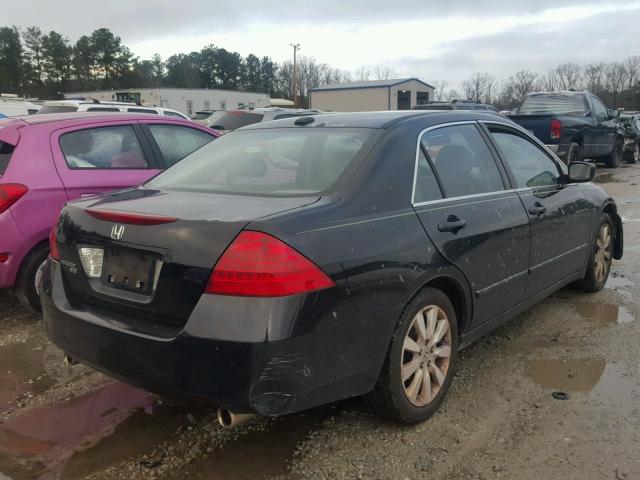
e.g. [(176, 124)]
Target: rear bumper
[(11, 241), (266, 377)]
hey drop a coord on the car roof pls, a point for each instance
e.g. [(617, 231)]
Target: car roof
[(93, 116), (383, 119)]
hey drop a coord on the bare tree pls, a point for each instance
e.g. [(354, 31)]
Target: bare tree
[(615, 79), (478, 87), (568, 76), (439, 90), (451, 95), (383, 73), (594, 77), (363, 74), (522, 83), (632, 66)]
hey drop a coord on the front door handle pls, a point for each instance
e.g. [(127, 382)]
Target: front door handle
[(452, 224), (537, 209)]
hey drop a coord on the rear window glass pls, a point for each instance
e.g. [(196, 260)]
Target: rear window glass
[(281, 162), (6, 150), (173, 114), (103, 109), (552, 104), (57, 109), (235, 120), (142, 110)]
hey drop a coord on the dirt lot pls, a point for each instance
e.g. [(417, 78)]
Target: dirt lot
[(553, 394)]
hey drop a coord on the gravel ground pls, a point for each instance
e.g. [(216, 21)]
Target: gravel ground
[(555, 393)]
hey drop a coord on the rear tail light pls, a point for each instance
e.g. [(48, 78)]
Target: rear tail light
[(91, 259), (4, 256), (259, 265), (130, 218), (556, 129), (10, 193)]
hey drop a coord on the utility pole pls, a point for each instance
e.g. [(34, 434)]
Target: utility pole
[(294, 80)]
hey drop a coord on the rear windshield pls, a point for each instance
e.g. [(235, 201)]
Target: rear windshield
[(552, 105), (6, 150), (235, 120), (57, 109), (282, 162)]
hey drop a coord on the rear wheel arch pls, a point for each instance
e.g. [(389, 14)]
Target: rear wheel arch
[(579, 139), (453, 289), (611, 209), (24, 284)]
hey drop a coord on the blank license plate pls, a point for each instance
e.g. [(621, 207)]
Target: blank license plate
[(128, 269)]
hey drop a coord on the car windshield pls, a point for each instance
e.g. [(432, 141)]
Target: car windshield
[(57, 109), (560, 104), (271, 162), (6, 150)]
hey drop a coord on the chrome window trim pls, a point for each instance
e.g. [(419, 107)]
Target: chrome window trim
[(463, 197)]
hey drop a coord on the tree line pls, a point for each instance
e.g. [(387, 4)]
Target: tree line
[(37, 64), (616, 83)]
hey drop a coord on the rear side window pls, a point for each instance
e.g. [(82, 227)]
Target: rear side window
[(235, 120), (103, 109), (558, 104), (278, 162), (142, 110), (57, 109), (427, 187), (175, 142), (530, 166), (6, 150), (462, 160), (105, 148)]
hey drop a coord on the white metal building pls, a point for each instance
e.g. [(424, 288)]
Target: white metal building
[(395, 94), (185, 100)]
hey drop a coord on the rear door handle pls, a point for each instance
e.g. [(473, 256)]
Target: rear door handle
[(537, 209), (452, 224)]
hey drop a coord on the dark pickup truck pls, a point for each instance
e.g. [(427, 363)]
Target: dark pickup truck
[(574, 125)]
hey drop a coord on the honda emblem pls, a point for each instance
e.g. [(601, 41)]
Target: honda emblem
[(117, 231)]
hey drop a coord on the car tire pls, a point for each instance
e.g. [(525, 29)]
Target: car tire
[(600, 257), (613, 159), (403, 396), (25, 287), (574, 154), (633, 156)]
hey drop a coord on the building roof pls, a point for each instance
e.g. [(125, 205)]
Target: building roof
[(369, 84)]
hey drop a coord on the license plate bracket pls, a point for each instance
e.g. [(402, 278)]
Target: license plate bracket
[(129, 270)]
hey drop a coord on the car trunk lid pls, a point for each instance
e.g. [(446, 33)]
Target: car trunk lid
[(156, 249)]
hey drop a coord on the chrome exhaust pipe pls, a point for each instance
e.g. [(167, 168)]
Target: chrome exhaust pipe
[(69, 360), (228, 419)]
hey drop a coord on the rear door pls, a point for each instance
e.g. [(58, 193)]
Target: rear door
[(605, 128), (97, 158), (471, 214), (559, 213)]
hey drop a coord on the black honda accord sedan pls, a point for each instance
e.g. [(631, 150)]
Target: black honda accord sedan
[(298, 262)]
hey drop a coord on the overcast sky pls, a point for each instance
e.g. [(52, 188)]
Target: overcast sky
[(445, 40)]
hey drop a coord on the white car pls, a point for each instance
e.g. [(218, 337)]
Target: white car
[(14, 106), (64, 106)]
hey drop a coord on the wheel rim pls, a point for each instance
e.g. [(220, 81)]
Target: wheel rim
[(426, 355), (38, 276), (603, 253)]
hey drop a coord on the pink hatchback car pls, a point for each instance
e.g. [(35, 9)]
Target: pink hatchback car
[(46, 160)]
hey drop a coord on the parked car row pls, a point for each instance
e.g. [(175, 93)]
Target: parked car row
[(631, 125), (299, 261)]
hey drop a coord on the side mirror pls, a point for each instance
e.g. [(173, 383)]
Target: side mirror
[(580, 172), (613, 113)]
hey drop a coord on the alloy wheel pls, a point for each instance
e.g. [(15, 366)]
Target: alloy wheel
[(426, 354), (603, 252)]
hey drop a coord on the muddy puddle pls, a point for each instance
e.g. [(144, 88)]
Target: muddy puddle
[(594, 376), (40, 443), (259, 454), (22, 372), (604, 313)]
